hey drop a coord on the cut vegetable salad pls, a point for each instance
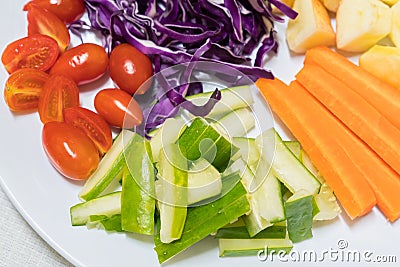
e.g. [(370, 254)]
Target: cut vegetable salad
[(189, 161), (207, 179)]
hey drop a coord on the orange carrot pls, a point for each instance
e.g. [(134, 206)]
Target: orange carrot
[(314, 133), (356, 113), (382, 96), (384, 181)]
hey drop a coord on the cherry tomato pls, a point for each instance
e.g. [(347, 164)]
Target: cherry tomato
[(69, 150), (118, 108), (95, 127), (59, 92), (23, 89), (66, 10), (83, 63), (44, 22), (130, 68), (36, 51)]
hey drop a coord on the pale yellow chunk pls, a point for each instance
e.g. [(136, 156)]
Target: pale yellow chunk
[(311, 28), (360, 24), (383, 62)]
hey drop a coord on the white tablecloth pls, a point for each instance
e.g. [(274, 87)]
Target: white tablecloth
[(19, 244)]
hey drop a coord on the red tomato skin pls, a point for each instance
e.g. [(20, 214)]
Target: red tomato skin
[(69, 150), (59, 92), (66, 10), (92, 124), (83, 63), (44, 22), (36, 51), (129, 69), (118, 108)]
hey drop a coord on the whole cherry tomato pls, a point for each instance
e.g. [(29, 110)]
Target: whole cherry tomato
[(130, 68), (83, 63), (118, 108), (66, 10), (44, 22), (23, 89), (59, 92), (36, 51), (69, 150), (95, 127)]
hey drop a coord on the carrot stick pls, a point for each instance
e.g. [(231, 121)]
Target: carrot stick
[(356, 113), (382, 96), (384, 181), (346, 180)]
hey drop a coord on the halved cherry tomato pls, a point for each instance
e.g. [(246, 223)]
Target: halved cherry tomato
[(23, 89), (36, 51), (95, 127), (83, 63), (66, 10), (118, 108), (44, 22), (130, 68), (59, 92), (69, 150)]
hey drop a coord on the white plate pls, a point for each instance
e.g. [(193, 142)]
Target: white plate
[(43, 197)]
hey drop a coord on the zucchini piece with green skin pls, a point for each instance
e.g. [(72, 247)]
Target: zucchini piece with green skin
[(200, 139), (137, 201), (231, 99), (266, 201), (325, 199), (248, 150), (109, 169), (171, 191), (252, 247), (300, 210), (236, 123), (168, 133), (106, 205), (203, 220), (204, 181), (285, 166), (295, 148), (240, 232)]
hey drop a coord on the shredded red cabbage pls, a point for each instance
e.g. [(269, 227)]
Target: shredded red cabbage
[(172, 31)]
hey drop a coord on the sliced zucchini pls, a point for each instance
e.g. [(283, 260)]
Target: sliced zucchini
[(204, 181), (138, 203), (171, 193), (248, 150), (240, 232), (252, 247), (285, 166), (110, 167), (300, 210), (106, 205), (168, 133), (236, 123), (203, 220)]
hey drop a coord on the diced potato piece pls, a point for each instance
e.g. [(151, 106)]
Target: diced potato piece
[(395, 33), (360, 24), (383, 62), (331, 5), (311, 28)]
